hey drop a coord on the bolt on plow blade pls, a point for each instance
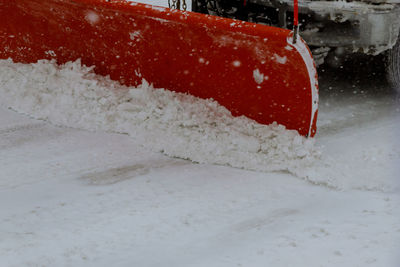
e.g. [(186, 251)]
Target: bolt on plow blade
[(253, 70)]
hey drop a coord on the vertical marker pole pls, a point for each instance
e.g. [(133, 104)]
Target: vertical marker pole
[(295, 20)]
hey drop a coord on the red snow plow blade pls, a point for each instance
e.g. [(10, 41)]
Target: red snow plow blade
[(253, 70)]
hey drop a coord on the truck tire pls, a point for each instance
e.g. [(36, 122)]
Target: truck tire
[(393, 66)]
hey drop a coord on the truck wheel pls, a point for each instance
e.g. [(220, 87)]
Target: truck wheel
[(393, 66)]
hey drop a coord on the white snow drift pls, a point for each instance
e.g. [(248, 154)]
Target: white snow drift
[(179, 125), (176, 124)]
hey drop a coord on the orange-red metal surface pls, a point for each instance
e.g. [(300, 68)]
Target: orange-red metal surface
[(250, 69)]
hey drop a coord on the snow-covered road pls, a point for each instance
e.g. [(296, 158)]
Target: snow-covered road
[(72, 197)]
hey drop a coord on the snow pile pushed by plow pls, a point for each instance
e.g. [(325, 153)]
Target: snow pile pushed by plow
[(187, 127), (179, 125)]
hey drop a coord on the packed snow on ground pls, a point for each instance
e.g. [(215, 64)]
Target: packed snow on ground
[(97, 174), (176, 124)]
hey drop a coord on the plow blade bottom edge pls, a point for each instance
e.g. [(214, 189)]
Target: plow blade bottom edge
[(253, 70)]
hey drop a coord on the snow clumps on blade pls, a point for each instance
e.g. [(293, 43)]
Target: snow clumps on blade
[(92, 17), (259, 77), (279, 59), (179, 125)]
